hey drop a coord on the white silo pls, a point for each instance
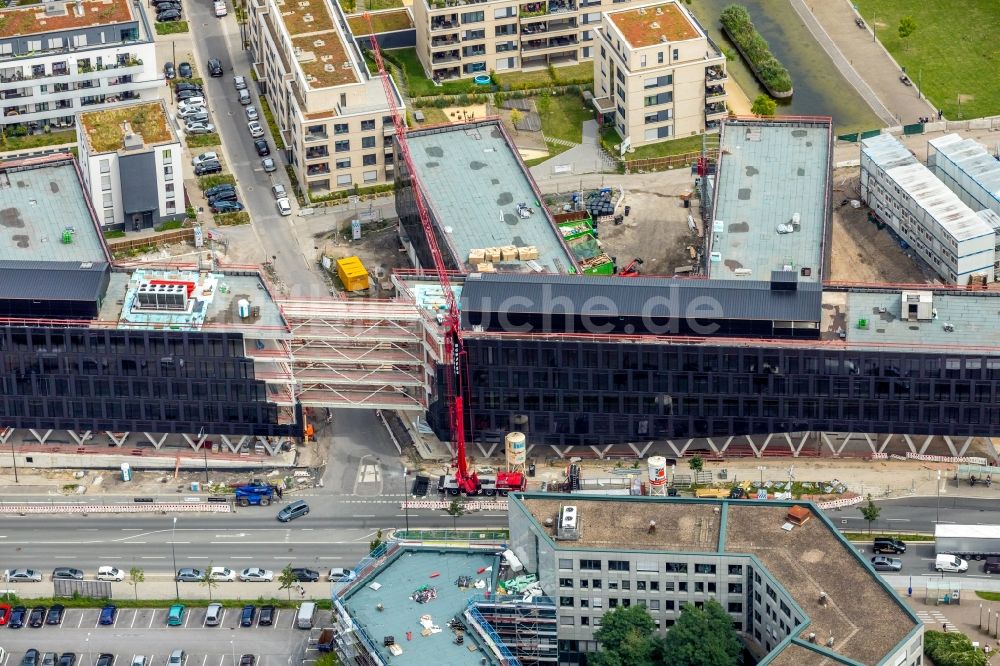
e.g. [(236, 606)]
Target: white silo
[(657, 467)]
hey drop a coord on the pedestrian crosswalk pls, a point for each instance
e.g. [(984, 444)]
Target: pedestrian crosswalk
[(931, 617)]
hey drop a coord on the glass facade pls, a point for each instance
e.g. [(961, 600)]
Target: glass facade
[(579, 392), (134, 381)]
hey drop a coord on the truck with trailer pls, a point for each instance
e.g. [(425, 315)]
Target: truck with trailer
[(501, 484), (972, 542)]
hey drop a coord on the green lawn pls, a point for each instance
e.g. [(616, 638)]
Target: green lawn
[(37, 140), (953, 52), (562, 117), (419, 85), (172, 28), (203, 140), (206, 182), (689, 144), (232, 219), (375, 5)]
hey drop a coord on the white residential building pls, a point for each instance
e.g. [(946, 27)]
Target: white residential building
[(58, 58), (131, 162), (946, 233)]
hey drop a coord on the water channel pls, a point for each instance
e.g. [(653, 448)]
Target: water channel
[(820, 90)]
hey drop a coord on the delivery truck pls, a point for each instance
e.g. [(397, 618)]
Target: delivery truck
[(972, 542)]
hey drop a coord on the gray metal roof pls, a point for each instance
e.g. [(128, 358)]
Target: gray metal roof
[(640, 296), (49, 280)]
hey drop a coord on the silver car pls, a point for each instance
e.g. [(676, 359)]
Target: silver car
[(22, 576), (252, 113), (884, 563)]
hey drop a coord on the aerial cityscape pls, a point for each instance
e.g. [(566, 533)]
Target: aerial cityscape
[(499, 332)]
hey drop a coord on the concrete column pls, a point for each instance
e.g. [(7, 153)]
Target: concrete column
[(119, 439), (41, 439), (157, 443)]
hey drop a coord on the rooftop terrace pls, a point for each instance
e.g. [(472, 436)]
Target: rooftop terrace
[(397, 580), (768, 173), (474, 181), (42, 206), (213, 304), (34, 19), (653, 24), (147, 122)]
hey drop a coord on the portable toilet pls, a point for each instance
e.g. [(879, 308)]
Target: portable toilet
[(352, 274), (126, 472)]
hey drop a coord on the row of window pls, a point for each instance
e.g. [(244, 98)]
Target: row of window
[(655, 605), (210, 412), (647, 585), (566, 564), (206, 389), (94, 343)]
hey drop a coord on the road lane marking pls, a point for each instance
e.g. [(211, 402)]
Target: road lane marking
[(151, 618), (80, 624), (364, 515), (187, 617), (897, 520), (153, 557), (134, 615), (204, 660)]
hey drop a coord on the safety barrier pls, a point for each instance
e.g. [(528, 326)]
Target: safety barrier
[(971, 460), (476, 505), (115, 508), (836, 504)]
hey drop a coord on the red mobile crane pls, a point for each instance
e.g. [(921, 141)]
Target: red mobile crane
[(463, 481)]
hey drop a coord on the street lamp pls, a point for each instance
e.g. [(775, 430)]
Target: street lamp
[(201, 443), (13, 459), (406, 503), (938, 513), (173, 554)]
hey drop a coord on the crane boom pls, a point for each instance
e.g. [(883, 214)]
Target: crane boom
[(454, 349)]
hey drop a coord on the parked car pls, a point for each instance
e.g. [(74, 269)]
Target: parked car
[(268, 164), (240, 82), (251, 112), (17, 616), (139, 660), (262, 148), (338, 574), (215, 190), (284, 207), (177, 658), (189, 575), (66, 573), (220, 9), (187, 85), (168, 70), (884, 563), (110, 573), (225, 195), (22, 576), (266, 617), (192, 105), (192, 112), (37, 617), (49, 659), (893, 546), (168, 6), (175, 616), (196, 118), (105, 659), (4, 614), (278, 191), (168, 16), (257, 575), (227, 207), (200, 128), (108, 614), (420, 485), (67, 659), (214, 67), (55, 614), (157, 3), (255, 129), (189, 94), (213, 615), (30, 658), (222, 574), (185, 70), (305, 575), (247, 615), (248, 660)]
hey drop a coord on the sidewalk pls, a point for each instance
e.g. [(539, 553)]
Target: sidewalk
[(160, 586)]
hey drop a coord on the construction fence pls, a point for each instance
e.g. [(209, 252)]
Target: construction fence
[(661, 163), (185, 235)]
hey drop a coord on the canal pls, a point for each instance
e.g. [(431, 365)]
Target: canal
[(820, 90)]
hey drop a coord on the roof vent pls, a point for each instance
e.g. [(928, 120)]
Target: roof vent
[(318, 43), (663, 39), (642, 11), (79, 8), (307, 18), (655, 25), (329, 68), (659, 11)]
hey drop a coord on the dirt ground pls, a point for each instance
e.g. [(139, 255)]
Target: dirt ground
[(860, 251)]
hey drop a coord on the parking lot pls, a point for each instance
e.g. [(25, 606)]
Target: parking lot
[(145, 632)]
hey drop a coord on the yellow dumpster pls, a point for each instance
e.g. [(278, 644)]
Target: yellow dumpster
[(352, 273)]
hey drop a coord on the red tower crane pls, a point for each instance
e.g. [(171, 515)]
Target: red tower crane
[(464, 481)]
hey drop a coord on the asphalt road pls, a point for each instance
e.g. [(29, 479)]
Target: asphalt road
[(918, 514)]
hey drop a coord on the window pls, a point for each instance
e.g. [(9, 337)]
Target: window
[(171, 206), (566, 564), (105, 183), (109, 216), (344, 180), (168, 172), (167, 154), (584, 621), (596, 583), (79, 40), (370, 176), (343, 162), (367, 142), (612, 602), (565, 582), (55, 42), (340, 128), (504, 12), (107, 200), (169, 187), (659, 58), (342, 146), (677, 54), (640, 585), (654, 604), (584, 583), (367, 125), (662, 98), (473, 17), (735, 607), (34, 45), (612, 585), (654, 585), (617, 565), (677, 567), (736, 588), (566, 602), (735, 569), (590, 565), (704, 568), (105, 166)]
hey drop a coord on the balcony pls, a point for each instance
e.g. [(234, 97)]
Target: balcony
[(448, 40), (16, 93), (715, 91), (715, 109), (532, 10), (317, 152), (448, 56), (537, 46), (447, 73), (449, 22), (66, 74), (318, 169), (556, 27), (715, 73), (561, 6)]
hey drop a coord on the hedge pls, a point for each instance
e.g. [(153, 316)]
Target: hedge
[(736, 20), (952, 649)]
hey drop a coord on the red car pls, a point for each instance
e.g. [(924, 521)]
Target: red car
[(4, 614)]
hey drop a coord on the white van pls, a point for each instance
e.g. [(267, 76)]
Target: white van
[(304, 620), (244, 97), (950, 564)]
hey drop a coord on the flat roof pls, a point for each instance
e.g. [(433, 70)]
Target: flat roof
[(886, 151), (324, 60), (34, 19), (389, 20), (653, 24), (147, 122), (972, 316), (474, 182), (972, 159), (214, 303), (812, 558), (943, 205), (40, 201), (768, 173), (408, 571)]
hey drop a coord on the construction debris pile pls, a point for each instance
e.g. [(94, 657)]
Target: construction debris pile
[(424, 593)]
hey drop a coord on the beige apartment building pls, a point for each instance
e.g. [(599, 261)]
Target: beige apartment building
[(336, 127), (462, 38), (657, 75)]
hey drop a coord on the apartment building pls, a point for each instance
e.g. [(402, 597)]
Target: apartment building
[(462, 38), (334, 120), (947, 234), (58, 58), (967, 168), (130, 158), (657, 75)]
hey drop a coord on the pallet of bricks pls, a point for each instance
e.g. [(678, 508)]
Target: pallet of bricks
[(486, 260)]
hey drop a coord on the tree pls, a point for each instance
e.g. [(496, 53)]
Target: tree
[(208, 582), (701, 637), (516, 117), (907, 26), (455, 510), (287, 579), (136, 576), (870, 512), (625, 637), (376, 542), (696, 464), (764, 106)]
